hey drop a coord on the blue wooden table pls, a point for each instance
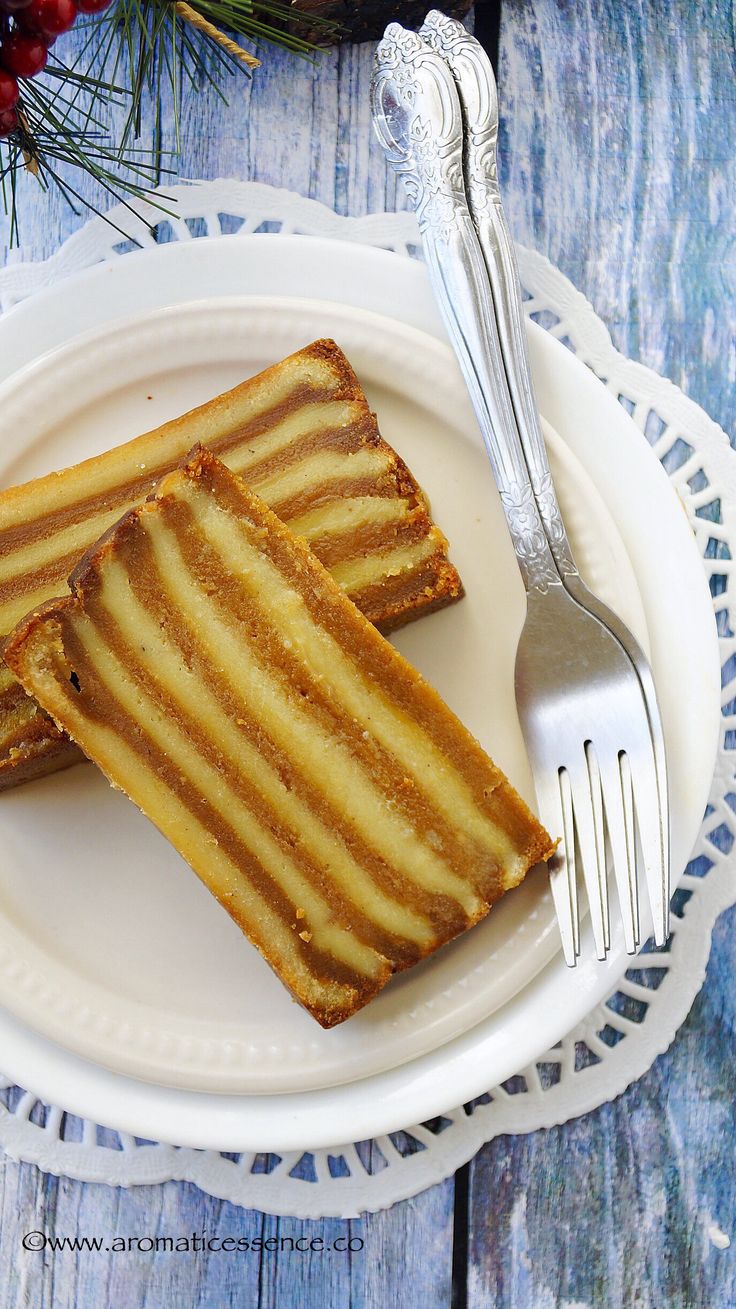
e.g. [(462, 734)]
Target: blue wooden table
[(618, 162)]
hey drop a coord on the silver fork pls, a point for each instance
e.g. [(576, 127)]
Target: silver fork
[(587, 707), (476, 86)]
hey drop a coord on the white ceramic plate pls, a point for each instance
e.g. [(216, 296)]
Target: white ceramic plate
[(645, 509), (143, 971)]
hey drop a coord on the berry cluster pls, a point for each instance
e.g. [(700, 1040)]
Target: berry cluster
[(27, 29)]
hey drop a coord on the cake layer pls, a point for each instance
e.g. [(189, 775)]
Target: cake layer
[(30, 742), (304, 437), (320, 788)]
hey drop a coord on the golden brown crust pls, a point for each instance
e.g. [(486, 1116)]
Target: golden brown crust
[(348, 389), (30, 742), (46, 645), (49, 753), (414, 592)]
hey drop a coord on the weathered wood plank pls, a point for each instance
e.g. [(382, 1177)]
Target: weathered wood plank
[(406, 1260), (629, 1206), (618, 164), (300, 125)]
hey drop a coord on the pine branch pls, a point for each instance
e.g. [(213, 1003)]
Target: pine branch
[(129, 53)]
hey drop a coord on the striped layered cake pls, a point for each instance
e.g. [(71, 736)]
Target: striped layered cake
[(319, 787), (303, 435)]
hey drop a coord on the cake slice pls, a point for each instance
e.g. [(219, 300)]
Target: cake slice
[(319, 787), (304, 437)]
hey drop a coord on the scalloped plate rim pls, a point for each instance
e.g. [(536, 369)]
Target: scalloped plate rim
[(422, 1105)]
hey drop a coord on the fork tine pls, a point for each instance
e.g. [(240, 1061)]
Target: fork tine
[(571, 876), (653, 838), (627, 791), (590, 845), (596, 795), (554, 806), (619, 807)]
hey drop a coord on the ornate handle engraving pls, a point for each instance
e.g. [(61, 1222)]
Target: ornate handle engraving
[(417, 117), (418, 120), (473, 75)]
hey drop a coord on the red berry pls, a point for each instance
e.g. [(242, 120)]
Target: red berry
[(93, 6), (8, 122), (47, 18), (9, 91), (23, 55)]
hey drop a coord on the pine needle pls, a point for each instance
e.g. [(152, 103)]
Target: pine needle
[(129, 54)]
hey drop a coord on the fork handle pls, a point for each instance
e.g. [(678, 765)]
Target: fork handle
[(473, 74), (413, 83), (457, 282)]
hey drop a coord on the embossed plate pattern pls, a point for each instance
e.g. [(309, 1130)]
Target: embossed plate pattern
[(144, 972), (555, 1000)]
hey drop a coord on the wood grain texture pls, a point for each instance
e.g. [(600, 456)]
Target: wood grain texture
[(406, 1260), (620, 1207), (296, 124), (622, 118)]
